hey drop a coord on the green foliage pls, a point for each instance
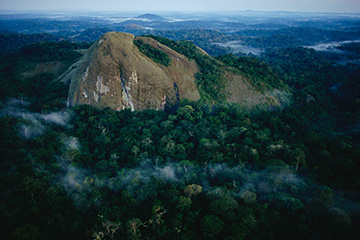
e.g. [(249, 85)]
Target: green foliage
[(315, 83), (204, 172), (186, 48), (211, 226), (110, 172), (210, 79), (273, 41), (48, 51), (248, 197), (260, 74), (11, 42), (203, 38), (50, 93), (153, 53)]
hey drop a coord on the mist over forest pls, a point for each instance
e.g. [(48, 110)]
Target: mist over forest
[(284, 168)]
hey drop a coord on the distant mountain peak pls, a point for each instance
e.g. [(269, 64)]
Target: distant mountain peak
[(150, 16)]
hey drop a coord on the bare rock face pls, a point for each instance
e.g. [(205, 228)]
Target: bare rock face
[(114, 73)]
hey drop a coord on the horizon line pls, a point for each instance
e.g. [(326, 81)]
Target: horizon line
[(169, 11)]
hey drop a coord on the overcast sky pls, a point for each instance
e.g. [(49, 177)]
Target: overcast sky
[(352, 6)]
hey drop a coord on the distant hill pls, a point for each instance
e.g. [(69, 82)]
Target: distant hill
[(91, 34), (10, 42), (132, 26), (149, 16)]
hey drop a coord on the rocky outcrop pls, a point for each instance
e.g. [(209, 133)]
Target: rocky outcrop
[(114, 73)]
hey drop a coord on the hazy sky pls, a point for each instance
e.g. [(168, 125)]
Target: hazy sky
[(185, 5)]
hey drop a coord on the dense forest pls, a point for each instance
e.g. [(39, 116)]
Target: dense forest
[(208, 170)]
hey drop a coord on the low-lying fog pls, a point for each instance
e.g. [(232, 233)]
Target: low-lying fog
[(331, 46), (237, 46)]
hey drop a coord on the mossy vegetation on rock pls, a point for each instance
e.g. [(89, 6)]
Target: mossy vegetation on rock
[(153, 53)]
